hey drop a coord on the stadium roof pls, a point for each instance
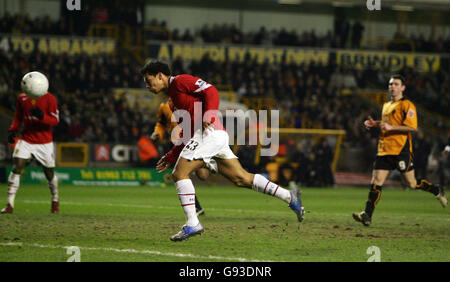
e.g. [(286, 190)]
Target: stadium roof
[(399, 5), (391, 4)]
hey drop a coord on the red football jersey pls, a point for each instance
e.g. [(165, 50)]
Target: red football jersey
[(36, 131), (184, 91)]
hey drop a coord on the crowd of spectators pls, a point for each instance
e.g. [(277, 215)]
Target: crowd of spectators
[(82, 85), (307, 163), (24, 24), (310, 94), (419, 43), (72, 73), (344, 34), (74, 22)]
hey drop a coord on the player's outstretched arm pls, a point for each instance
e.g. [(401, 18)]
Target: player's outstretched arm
[(370, 122), (50, 116), (155, 136), (172, 155), (18, 118), (51, 119), (158, 131), (211, 106), (402, 128)]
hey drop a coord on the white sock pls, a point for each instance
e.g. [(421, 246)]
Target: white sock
[(53, 186), (13, 186), (263, 185), (186, 194)]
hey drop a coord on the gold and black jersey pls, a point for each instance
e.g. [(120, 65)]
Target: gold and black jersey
[(164, 121), (402, 112)]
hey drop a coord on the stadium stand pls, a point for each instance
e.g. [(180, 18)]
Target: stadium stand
[(313, 95), (343, 35)]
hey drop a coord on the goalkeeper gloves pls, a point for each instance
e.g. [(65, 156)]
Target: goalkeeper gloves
[(37, 113)]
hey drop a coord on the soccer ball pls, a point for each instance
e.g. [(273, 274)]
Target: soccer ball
[(34, 84)]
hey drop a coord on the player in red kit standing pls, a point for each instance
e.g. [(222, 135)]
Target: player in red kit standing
[(38, 113), (208, 145)]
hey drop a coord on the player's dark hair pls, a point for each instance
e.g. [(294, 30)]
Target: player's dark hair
[(155, 67), (400, 77)]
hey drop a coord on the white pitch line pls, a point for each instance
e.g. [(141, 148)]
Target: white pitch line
[(139, 206), (146, 252), (270, 211), (96, 204)]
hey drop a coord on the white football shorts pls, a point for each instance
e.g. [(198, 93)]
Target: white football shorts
[(212, 144), (43, 153)]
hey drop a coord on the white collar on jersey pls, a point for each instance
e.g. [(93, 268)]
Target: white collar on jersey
[(171, 79)]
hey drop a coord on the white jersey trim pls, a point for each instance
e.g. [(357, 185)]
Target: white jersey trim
[(56, 115), (202, 85)]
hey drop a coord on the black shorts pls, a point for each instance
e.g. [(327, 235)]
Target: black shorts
[(402, 162)]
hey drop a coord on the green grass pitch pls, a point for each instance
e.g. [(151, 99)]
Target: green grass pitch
[(135, 224)]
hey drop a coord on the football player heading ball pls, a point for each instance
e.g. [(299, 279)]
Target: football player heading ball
[(208, 145), (37, 109)]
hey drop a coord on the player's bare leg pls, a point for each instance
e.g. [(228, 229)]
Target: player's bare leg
[(202, 173), (53, 186), (14, 183), (425, 185), (186, 195), (378, 178), (233, 170)]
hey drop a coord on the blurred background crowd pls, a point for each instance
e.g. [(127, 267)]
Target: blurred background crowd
[(345, 34), (309, 92), (309, 95)]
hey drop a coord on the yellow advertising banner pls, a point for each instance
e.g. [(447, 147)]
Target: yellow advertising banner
[(170, 51), (56, 45), (393, 61)]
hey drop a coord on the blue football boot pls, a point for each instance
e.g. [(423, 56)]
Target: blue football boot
[(296, 204), (187, 231)]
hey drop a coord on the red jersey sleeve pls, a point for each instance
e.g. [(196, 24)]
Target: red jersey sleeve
[(211, 100), (197, 87), (18, 117), (51, 116), (185, 90), (174, 153), (210, 97)]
